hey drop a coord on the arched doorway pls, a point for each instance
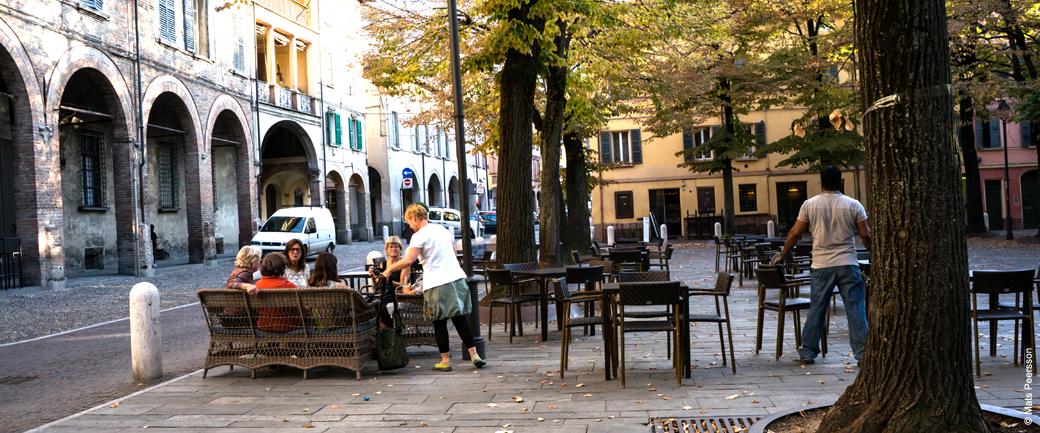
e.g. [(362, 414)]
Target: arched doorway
[(453, 192), (336, 201), (358, 202), (435, 193), (270, 200), (170, 139), (94, 143), (375, 197), (1030, 200), (231, 157), (288, 162)]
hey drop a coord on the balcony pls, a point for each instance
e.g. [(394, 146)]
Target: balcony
[(304, 103), (285, 98), (291, 9), (282, 97)]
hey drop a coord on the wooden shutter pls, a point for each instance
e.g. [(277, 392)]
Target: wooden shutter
[(604, 147), (330, 126), (687, 143), (93, 4), (1025, 133), (357, 130), (350, 132), (760, 131), (339, 131), (239, 56), (167, 21), (994, 133), (637, 146), (189, 25)]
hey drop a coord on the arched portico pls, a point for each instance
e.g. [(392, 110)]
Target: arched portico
[(288, 159), (358, 194), (231, 150), (434, 191), (338, 203)]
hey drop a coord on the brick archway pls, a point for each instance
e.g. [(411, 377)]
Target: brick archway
[(129, 246), (42, 262), (246, 189)]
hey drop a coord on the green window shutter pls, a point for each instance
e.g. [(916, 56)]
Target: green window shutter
[(978, 134), (357, 129), (339, 131), (637, 146), (1025, 133), (330, 128), (687, 143), (604, 147), (760, 131), (994, 133)]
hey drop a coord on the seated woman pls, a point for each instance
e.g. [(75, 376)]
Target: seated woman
[(246, 263), (325, 273), (397, 279), (272, 268), (296, 269)]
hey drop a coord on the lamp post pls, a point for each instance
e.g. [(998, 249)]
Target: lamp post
[(460, 147), (1004, 111)]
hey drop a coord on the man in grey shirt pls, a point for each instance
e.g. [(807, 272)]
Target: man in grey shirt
[(834, 220)]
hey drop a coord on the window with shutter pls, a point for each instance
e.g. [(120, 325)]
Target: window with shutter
[(330, 126), (339, 131), (189, 25), (687, 143), (637, 146), (994, 133), (396, 128), (832, 74), (239, 55), (357, 131), (1025, 130), (350, 133), (979, 135), (167, 21), (605, 154), (97, 5)]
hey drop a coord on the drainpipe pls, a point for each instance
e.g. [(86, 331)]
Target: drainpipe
[(142, 144), (259, 162)]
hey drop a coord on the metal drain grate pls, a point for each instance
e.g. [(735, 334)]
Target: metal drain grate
[(17, 380), (717, 424)]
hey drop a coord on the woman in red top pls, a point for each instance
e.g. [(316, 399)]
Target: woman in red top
[(272, 269)]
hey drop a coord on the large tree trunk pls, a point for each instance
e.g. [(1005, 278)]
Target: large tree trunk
[(550, 254), (966, 130), (730, 223), (916, 374), (515, 205), (577, 183)]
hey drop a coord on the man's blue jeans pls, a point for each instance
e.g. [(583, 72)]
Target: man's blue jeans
[(850, 286)]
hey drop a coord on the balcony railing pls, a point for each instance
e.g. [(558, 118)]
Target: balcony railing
[(283, 97), (263, 91), (291, 9), (304, 103)]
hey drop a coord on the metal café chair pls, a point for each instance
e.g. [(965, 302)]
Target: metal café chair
[(995, 283), (653, 313), (590, 278), (566, 298), (504, 290), (772, 278), (667, 293), (723, 284)]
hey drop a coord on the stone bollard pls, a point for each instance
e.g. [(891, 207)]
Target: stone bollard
[(718, 230), (770, 229), (592, 233), (610, 236), (664, 237), (479, 240), (493, 242), (985, 220), (386, 233), (145, 333)]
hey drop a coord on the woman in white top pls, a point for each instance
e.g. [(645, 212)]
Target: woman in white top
[(296, 269), (445, 293)]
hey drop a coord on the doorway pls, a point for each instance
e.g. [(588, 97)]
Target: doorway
[(666, 208), (1030, 200), (10, 255), (272, 200), (789, 199), (995, 203), (705, 201)]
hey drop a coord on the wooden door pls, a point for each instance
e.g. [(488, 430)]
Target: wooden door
[(1030, 200), (995, 203)]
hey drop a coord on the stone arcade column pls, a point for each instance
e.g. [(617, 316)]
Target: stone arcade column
[(343, 217)]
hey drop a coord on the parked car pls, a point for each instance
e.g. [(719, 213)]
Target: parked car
[(452, 218), (490, 221), (313, 226)]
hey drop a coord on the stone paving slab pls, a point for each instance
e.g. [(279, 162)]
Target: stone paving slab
[(471, 400)]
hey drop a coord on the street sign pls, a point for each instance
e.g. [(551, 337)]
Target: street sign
[(480, 187), (407, 173), (407, 184)]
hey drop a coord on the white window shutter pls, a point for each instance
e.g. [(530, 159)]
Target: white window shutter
[(167, 21), (239, 55)]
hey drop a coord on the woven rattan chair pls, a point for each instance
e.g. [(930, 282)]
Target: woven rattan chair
[(589, 279), (772, 278), (610, 270), (504, 290), (732, 254), (660, 260), (995, 283), (667, 293), (651, 313), (629, 260), (566, 299), (723, 284)]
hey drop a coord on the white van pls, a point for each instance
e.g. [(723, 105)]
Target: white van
[(452, 218), (311, 225)]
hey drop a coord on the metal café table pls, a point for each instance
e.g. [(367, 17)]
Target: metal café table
[(543, 290), (610, 293)]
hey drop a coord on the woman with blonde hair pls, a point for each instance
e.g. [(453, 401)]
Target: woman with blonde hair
[(246, 263), (392, 247), (296, 269), (445, 293)]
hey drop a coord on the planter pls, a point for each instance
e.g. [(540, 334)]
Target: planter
[(763, 424)]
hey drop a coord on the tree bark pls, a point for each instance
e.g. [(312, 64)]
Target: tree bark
[(730, 224), (577, 183), (917, 371), (550, 254), (972, 178), (516, 110)]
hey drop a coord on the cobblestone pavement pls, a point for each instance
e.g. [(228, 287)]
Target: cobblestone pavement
[(521, 390)]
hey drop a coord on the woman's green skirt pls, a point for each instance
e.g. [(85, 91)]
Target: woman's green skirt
[(447, 301)]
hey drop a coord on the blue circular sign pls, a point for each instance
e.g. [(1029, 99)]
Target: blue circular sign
[(407, 172)]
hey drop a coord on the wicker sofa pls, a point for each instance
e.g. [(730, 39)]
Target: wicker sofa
[(329, 327)]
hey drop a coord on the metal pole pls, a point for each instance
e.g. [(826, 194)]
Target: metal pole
[(460, 146), (1007, 184)]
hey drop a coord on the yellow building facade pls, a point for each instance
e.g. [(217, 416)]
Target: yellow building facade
[(650, 183)]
